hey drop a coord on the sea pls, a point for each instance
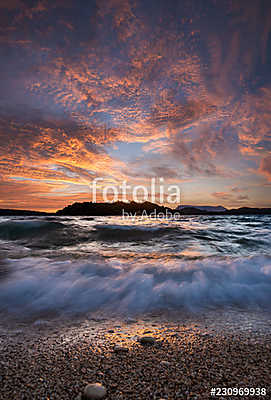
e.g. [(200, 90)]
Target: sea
[(82, 264)]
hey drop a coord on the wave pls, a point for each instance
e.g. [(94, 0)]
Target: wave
[(40, 284), (43, 234), (60, 232), (20, 229), (133, 232)]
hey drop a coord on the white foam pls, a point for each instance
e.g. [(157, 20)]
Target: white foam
[(39, 284)]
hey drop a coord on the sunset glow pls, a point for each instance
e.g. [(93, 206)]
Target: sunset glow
[(128, 90)]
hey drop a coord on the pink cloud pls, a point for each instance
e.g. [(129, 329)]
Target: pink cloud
[(265, 167)]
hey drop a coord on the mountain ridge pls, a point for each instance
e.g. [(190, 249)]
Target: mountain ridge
[(203, 208), (117, 208)]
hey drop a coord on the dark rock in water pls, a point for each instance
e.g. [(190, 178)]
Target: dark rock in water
[(94, 391), (147, 340)]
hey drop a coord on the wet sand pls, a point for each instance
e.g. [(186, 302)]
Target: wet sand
[(55, 358)]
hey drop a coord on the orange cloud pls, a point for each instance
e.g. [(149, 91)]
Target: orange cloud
[(191, 88), (265, 167)]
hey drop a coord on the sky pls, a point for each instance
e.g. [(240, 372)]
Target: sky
[(134, 90)]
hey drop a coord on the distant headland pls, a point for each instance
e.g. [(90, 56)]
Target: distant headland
[(118, 208), (133, 208), (10, 212)]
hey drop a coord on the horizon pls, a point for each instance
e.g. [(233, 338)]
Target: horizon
[(128, 91), (130, 201)]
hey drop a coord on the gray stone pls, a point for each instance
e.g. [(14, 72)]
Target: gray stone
[(120, 349), (41, 322), (165, 363), (94, 391), (130, 320), (147, 340)]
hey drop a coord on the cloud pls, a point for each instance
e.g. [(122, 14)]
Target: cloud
[(38, 195), (222, 195), (265, 167), (51, 150), (231, 197), (189, 81), (11, 4)]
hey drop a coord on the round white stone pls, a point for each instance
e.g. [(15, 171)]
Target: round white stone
[(94, 391)]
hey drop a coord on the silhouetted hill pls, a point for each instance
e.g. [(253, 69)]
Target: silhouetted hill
[(117, 208), (234, 211), (193, 211), (10, 212), (202, 208), (249, 211)]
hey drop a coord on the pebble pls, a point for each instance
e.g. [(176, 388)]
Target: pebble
[(94, 391), (147, 340), (130, 321), (120, 349), (41, 322), (98, 319), (16, 332), (59, 360)]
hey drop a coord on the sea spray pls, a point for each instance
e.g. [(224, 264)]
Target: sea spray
[(40, 284)]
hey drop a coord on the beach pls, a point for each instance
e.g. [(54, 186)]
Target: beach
[(55, 358)]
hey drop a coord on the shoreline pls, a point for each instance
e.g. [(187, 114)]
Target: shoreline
[(55, 358)]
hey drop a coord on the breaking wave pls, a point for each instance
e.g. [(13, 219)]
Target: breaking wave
[(41, 284), (21, 229), (132, 232)]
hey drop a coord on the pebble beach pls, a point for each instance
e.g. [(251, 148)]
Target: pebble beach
[(103, 308), (153, 356)]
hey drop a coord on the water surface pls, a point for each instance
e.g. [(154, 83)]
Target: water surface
[(78, 264)]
